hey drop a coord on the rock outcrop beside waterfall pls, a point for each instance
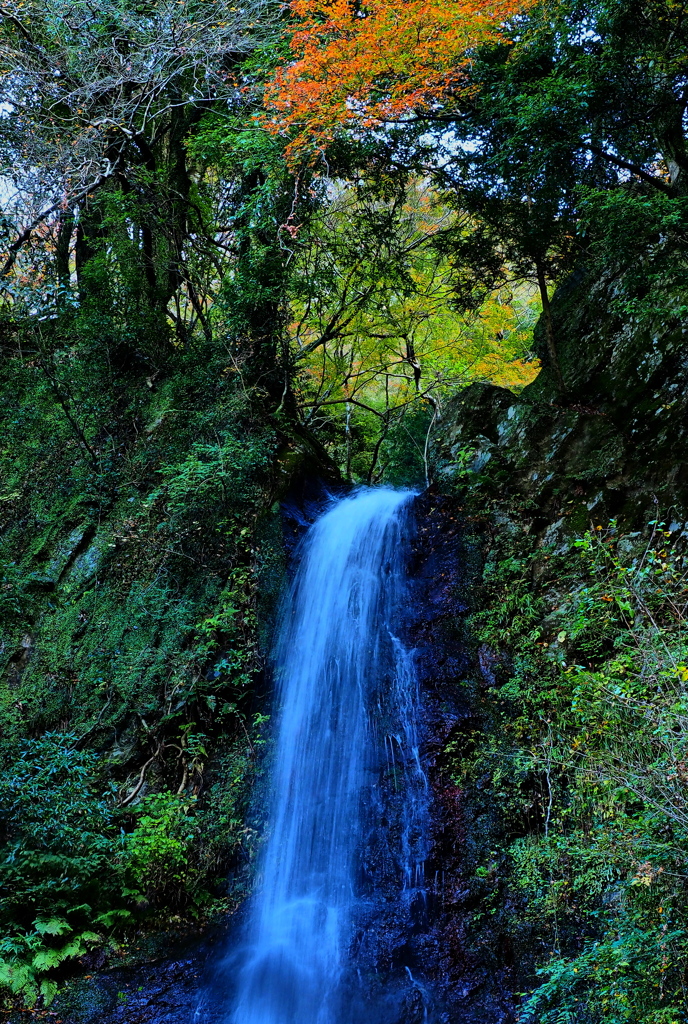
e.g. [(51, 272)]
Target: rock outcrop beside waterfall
[(614, 445), (577, 503)]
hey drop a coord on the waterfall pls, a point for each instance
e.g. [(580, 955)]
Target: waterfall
[(347, 703)]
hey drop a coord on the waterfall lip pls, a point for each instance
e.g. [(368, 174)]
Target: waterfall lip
[(337, 660), (315, 511)]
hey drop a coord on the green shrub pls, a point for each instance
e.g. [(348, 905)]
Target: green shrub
[(61, 862), (75, 869), (588, 749), (159, 851)]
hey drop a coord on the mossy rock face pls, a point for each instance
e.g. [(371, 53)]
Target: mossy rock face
[(614, 444), (582, 611), (139, 578)]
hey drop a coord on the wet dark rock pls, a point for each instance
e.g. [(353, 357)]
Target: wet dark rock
[(463, 964), (163, 991), (419, 954)]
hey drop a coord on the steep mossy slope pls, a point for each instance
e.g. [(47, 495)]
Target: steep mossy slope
[(578, 745), (141, 560)]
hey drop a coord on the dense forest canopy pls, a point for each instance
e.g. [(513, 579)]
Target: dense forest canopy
[(235, 233), (154, 152)]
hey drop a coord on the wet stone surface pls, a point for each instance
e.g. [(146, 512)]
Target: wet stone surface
[(467, 971), (169, 991)]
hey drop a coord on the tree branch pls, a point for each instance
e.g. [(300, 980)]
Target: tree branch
[(633, 168), (20, 28), (25, 235)]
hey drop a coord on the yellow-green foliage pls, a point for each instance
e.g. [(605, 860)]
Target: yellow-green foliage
[(158, 850), (377, 338)]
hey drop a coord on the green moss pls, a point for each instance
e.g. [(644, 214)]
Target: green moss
[(132, 539)]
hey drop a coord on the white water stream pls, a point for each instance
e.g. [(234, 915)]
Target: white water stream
[(338, 663)]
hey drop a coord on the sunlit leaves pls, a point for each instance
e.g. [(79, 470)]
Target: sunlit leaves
[(375, 329)]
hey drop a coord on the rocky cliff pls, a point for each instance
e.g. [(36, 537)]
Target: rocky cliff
[(614, 444), (573, 769)]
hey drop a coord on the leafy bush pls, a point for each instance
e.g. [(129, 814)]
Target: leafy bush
[(219, 476), (159, 850), (75, 868), (62, 862), (589, 747)]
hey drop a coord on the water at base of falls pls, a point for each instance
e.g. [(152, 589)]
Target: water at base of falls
[(348, 705)]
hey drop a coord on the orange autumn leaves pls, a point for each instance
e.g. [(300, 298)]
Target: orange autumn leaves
[(368, 64)]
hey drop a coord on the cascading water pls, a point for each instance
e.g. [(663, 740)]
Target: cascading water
[(343, 678)]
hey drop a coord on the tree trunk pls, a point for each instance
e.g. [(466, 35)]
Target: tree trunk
[(549, 329), (64, 237)]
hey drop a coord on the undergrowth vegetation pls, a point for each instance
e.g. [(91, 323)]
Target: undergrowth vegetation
[(136, 530), (585, 651)]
